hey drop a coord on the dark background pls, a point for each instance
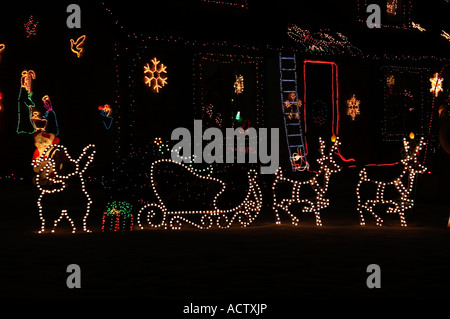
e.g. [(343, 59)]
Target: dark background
[(263, 262)]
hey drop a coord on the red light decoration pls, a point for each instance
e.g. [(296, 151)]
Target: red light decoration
[(335, 96)]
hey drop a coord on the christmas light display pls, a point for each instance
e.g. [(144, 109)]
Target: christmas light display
[(391, 7), (436, 84), (203, 59), (411, 167), (239, 84), (155, 81), (39, 123), (334, 95), (157, 215), (27, 80), (54, 182), (328, 166), (322, 41), (50, 116), (235, 3), (31, 26), (119, 215), (418, 27), (390, 81), (405, 96), (394, 8), (77, 46), (105, 113), (353, 107), (445, 35), (210, 116), (2, 48), (25, 103)]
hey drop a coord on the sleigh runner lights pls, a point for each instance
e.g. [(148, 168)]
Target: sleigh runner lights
[(157, 215)]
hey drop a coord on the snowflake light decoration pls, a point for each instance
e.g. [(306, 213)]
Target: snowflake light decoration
[(155, 81), (436, 84), (353, 107)]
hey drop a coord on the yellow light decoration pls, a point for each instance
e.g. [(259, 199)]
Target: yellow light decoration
[(390, 80), (46, 166), (2, 48), (39, 123), (411, 135), (391, 7), (333, 138), (239, 84), (436, 84), (417, 26), (445, 35), (411, 167), (353, 107), (155, 81), (27, 79), (77, 46), (316, 204), (245, 213)]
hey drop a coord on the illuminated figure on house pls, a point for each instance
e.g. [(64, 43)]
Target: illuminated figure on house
[(26, 104), (50, 116)]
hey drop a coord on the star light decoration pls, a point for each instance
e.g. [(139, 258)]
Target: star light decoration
[(30, 26), (353, 107), (436, 84), (155, 80)]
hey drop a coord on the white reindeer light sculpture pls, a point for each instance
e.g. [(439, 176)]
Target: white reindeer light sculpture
[(411, 167), (50, 181), (317, 203)]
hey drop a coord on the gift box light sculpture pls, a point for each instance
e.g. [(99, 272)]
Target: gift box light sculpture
[(315, 204), (119, 215), (411, 167), (157, 215), (55, 181)]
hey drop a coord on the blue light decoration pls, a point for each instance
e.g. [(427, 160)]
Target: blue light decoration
[(50, 116), (105, 113)]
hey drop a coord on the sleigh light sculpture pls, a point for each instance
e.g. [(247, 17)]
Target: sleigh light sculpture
[(313, 204), (403, 184), (157, 215)]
